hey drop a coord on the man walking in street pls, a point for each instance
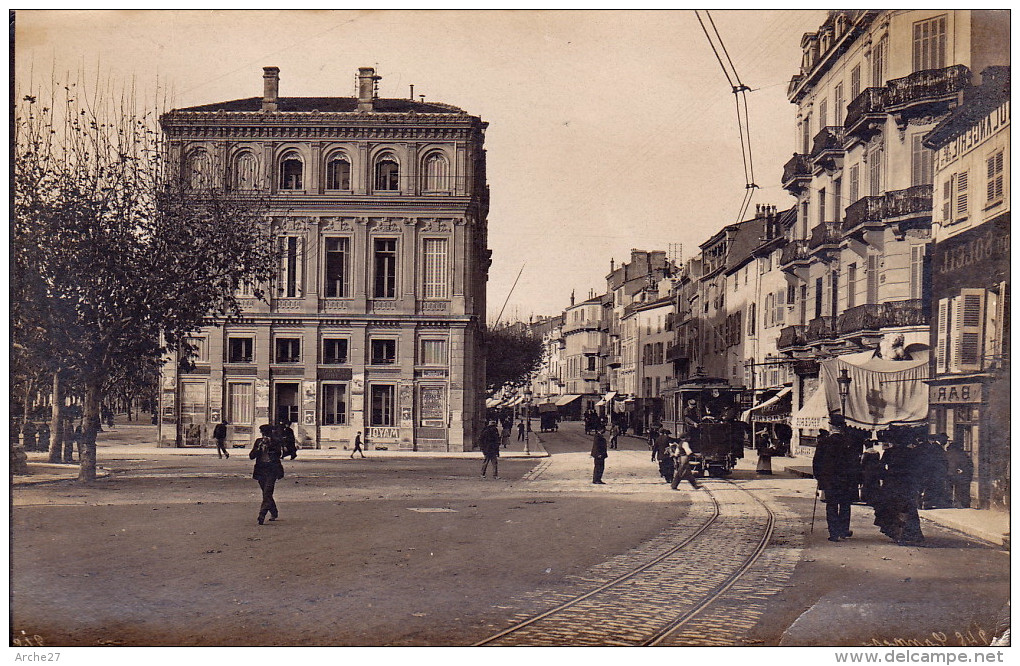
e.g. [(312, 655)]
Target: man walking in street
[(490, 448), (681, 454), (357, 446), (837, 471), (599, 452), (520, 431), (614, 436), (220, 435)]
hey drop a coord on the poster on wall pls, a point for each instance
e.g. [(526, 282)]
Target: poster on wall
[(406, 405), (261, 399), (431, 406)]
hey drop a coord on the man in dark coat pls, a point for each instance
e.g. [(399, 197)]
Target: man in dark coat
[(267, 452), (220, 435), (837, 470), (660, 453), (900, 490), (961, 471), (489, 444), (599, 451)]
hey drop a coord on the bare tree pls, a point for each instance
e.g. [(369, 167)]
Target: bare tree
[(117, 257)]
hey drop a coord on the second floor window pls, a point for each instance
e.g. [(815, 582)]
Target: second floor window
[(245, 176), (385, 250), (338, 259), (920, 161), (334, 351), (437, 173), (291, 172), (290, 278), (240, 350), (994, 164), (288, 350), (199, 349), (433, 352), (384, 352)]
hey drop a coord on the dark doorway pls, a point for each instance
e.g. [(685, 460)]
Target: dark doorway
[(286, 402)]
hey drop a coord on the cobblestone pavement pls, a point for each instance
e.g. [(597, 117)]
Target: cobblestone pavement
[(705, 570)]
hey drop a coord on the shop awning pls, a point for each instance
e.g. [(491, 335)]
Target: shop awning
[(746, 415), (546, 407), (516, 401), (610, 396), (492, 402), (814, 414), (566, 400), (882, 393)]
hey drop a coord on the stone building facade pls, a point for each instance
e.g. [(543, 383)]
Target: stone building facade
[(379, 211)]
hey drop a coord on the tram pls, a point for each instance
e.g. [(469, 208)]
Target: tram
[(704, 411)]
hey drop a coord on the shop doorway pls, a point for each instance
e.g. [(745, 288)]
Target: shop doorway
[(285, 401)]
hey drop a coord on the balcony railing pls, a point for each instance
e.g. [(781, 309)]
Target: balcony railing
[(823, 235), (927, 86), (820, 328), (791, 336), (893, 205), (795, 252), (676, 353), (827, 140), (868, 106), (877, 316), (796, 173)]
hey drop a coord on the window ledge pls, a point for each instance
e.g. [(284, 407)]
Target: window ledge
[(993, 204)]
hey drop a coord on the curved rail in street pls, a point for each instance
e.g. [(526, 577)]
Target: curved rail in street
[(608, 609)]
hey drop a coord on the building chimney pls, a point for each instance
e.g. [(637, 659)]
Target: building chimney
[(571, 298), (612, 264), (366, 88), (270, 88)]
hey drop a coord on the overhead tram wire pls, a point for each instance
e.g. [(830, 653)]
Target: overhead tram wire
[(739, 90)]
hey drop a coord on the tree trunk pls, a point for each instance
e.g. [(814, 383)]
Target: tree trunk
[(90, 426), (56, 421)]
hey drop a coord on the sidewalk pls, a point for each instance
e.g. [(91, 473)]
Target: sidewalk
[(133, 441), (982, 524)]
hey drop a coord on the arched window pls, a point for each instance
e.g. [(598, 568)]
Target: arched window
[(199, 170), (291, 172), (338, 172), (245, 171), (387, 173), (436, 173)]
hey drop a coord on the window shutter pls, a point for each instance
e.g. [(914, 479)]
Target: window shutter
[(916, 270), (961, 195), (947, 199), (968, 328), (781, 307), (995, 177), (942, 328), (873, 278)]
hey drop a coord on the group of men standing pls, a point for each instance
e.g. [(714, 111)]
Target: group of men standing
[(898, 474)]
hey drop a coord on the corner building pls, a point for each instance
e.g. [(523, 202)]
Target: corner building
[(379, 211)]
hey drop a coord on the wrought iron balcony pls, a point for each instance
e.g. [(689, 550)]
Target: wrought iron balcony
[(796, 173), (829, 139), (926, 88), (866, 113), (820, 328), (873, 317), (791, 336), (893, 206), (825, 237), (795, 254), (676, 353), (613, 360)]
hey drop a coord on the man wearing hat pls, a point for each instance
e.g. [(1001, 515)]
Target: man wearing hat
[(836, 467)]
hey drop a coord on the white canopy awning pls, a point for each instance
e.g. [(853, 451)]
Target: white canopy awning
[(746, 415), (566, 400), (516, 401), (492, 402), (815, 412), (609, 396)]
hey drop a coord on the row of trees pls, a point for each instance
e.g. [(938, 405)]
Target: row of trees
[(115, 259)]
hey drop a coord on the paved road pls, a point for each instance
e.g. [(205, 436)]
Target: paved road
[(403, 551)]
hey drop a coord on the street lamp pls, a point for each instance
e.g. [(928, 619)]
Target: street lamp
[(844, 382), (527, 421)]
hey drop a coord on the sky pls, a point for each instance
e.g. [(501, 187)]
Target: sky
[(608, 130)]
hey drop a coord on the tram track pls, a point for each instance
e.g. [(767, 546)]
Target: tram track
[(653, 600)]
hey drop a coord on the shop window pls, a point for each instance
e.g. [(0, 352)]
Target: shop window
[(334, 351), (384, 352), (240, 350), (382, 405), (240, 407), (334, 404), (288, 350)]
